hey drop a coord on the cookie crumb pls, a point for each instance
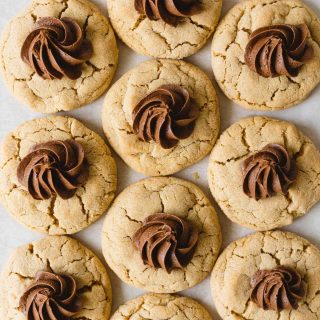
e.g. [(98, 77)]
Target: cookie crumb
[(196, 176)]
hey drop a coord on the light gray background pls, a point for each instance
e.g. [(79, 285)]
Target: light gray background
[(12, 113)]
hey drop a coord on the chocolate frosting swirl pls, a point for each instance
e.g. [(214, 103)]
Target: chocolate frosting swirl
[(277, 289), (170, 11), (166, 241), (165, 116), (50, 297), (268, 172), (278, 50), (54, 168), (56, 48)]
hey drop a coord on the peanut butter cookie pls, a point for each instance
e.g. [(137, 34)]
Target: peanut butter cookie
[(57, 176), (265, 53), (58, 55), (161, 235)]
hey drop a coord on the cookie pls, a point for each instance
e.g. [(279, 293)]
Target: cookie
[(47, 258), (44, 191), (162, 116), (166, 36), (253, 197), (256, 257), (83, 75), (162, 306), (273, 84), (170, 205)]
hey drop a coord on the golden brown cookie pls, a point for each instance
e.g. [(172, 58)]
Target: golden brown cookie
[(247, 87), (53, 95), (56, 215), (59, 255), (140, 201), (226, 177), (149, 157)]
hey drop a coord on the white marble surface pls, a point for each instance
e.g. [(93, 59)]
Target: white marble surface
[(306, 116)]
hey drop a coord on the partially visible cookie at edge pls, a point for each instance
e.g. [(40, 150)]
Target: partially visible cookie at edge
[(246, 265), (139, 146), (46, 259), (83, 171), (162, 306), (156, 36), (50, 94), (272, 91)]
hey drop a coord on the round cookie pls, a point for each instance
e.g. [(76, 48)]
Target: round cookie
[(230, 282), (246, 87), (60, 255), (243, 139), (150, 158), (56, 215), (50, 96), (160, 39), (148, 197), (162, 306)]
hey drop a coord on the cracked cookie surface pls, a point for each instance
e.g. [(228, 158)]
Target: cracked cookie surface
[(59, 254), (50, 96), (231, 275), (55, 215), (159, 195), (225, 175), (162, 306), (150, 158), (234, 77), (157, 38)]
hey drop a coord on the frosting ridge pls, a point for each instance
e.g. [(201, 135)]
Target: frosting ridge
[(50, 297), (56, 48), (170, 11), (166, 241), (54, 168), (277, 289), (165, 116), (278, 50), (268, 172)]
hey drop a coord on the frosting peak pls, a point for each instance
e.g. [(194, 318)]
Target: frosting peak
[(170, 11), (56, 48), (55, 167), (277, 289), (268, 172), (166, 241), (165, 116), (278, 50), (50, 297)]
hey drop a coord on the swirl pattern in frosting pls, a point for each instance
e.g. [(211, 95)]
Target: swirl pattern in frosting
[(50, 297), (166, 241), (170, 11), (278, 50), (268, 172), (56, 48), (54, 168), (278, 289), (165, 116)]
